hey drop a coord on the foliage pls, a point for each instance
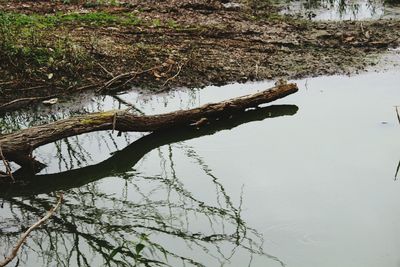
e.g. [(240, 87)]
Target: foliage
[(52, 20)]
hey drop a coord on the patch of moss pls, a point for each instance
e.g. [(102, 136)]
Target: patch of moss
[(98, 118)]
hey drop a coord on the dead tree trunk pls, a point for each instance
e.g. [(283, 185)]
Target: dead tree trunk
[(121, 161), (19, 145)]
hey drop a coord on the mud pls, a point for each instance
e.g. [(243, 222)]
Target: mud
[(190, 44)]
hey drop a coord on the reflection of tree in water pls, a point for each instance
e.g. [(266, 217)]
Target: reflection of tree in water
[(155, 220), (343, 7), (74, 152), (144, 230), (21, 119), (392, 2)]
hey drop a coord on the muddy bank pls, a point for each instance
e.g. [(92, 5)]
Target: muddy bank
[(50, 48)]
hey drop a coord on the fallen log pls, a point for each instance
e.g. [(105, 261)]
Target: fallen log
[(18, 146), (27, 184)]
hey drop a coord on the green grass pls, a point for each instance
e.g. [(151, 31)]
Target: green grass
[(29, 36), (39, 45), (96, 3), (42, 22), (52, 20), (28, 45)]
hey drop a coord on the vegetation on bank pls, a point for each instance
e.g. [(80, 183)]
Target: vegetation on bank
[(38, 45), (58, 47)]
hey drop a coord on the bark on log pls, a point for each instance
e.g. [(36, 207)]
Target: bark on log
[(19, 145), (27, 183)]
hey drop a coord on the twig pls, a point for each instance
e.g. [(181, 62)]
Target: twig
[(84, 87), (32, 87), (176, 75), (7, 165), (126, 75), (397, 171), (397, 112), (398, 165), (114, 121), (107, 71), (23, 238), (130, 105), (7, 83), (118, 77), (257, 70)]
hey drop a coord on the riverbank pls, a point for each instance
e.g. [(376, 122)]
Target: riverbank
[(51, 48)]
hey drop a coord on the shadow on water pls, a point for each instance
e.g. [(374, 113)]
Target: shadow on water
[(155, 228)]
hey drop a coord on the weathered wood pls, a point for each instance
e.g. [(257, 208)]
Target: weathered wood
[(121, 161), (19, 145)]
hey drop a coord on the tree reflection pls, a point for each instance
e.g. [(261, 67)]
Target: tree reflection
[(343, 9), (392, 2), (155, 220)]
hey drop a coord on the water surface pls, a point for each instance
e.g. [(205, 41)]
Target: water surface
[(309, 181), (335, 10)]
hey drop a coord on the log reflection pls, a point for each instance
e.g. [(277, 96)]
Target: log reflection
[(123, 160), (154, 220)]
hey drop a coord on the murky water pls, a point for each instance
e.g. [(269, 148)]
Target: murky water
[(309, 181), (342, 10)]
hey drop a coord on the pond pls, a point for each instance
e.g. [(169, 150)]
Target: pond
[(308, 181), (335, 10)]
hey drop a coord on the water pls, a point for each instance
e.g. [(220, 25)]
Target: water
[(307, 182), (335, 10)]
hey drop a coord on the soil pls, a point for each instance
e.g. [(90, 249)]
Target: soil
[(189, 43)]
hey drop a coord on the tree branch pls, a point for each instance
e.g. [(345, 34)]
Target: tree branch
[(23, 238), (25, 141)]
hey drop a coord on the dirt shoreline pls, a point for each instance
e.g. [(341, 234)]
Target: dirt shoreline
[(67, 48)]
